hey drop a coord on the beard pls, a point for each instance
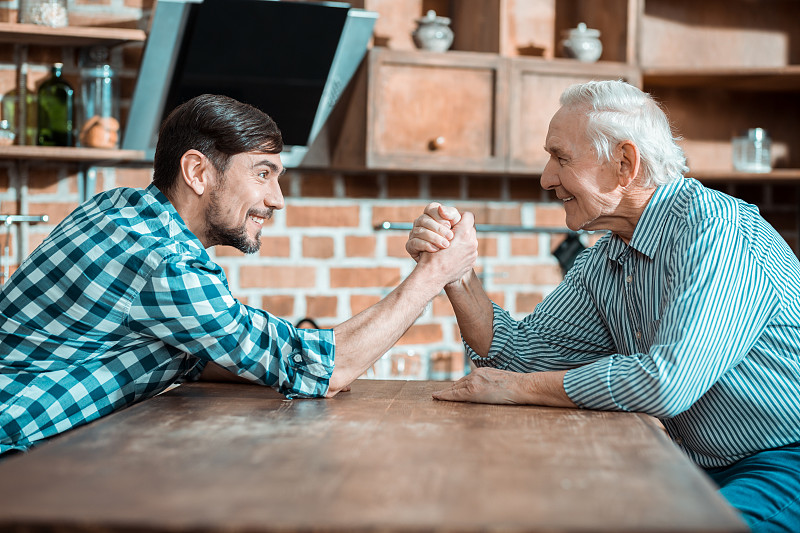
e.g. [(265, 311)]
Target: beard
[(237, 237)]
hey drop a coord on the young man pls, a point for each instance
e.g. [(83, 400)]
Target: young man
[(122, 300)]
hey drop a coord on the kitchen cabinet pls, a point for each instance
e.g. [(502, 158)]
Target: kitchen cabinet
[(718, 67), (450, 112), (421, 111), (441, 111)]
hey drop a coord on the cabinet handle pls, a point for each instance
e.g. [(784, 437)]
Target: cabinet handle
[(436, 144)]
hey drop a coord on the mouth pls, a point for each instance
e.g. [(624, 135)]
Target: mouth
[(259, 221), (567, 199), (260, 218)]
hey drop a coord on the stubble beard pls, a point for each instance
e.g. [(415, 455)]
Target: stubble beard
[(237, 237)]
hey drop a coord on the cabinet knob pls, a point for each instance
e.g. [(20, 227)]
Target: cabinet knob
[(436, 144)]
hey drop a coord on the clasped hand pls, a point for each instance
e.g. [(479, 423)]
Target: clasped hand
[(452, 234), (432, 230)]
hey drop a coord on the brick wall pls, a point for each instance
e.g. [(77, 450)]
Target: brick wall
[(322, 256)]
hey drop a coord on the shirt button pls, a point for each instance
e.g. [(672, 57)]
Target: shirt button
[(678, 441), (638, 334), (629, 279), (298, 358)]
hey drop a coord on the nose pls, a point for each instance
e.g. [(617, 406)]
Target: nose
[(549, 179), (274, 196)]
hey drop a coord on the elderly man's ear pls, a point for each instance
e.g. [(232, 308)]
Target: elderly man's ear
[(628, 163), (195, 168)]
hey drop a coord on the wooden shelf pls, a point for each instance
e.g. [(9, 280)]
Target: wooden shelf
[(740, 79), (731, 176), (68, 154), (68, 36)]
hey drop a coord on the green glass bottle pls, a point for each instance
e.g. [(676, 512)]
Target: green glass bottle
[(56, 112)]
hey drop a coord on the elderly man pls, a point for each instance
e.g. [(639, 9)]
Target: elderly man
[(688, 310), (122, 300)]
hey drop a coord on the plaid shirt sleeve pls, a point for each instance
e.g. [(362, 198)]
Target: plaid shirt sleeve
[(186, 304)]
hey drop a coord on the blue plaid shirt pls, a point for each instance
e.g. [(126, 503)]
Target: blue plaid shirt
[(696, 322), (120, 302)]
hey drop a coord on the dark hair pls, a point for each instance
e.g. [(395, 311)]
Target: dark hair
[(217, 126)]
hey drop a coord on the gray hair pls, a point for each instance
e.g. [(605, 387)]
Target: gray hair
[(620, 112)]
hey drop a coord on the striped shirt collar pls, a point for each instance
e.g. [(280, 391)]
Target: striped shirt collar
[(651, 226)]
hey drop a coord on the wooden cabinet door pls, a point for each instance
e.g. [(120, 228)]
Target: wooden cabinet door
[(535, 88), (431, 111)]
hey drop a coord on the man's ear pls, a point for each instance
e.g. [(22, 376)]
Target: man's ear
[(628, 163), (195, 167)]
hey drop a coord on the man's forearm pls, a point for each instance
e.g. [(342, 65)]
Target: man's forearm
[(490, 385), (547, 388), (361, 340), (474, 312)]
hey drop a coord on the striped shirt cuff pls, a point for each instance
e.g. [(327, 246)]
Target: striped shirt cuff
[(589, 386), (501, 350)]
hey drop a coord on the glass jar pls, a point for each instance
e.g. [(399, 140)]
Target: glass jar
[(44, 12), (100, 119), (751, 152), (9, 110)]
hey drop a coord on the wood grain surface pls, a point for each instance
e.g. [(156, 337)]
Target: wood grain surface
[(383, 457)]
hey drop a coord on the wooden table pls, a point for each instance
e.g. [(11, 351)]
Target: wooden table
[(384, 457)]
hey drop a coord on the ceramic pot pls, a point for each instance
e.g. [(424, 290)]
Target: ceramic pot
[(582, 43), (433, 33)]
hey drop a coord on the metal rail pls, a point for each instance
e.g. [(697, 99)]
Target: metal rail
[(499, 228), (16, 219)]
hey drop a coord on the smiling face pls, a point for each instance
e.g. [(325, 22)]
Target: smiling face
[(244, 196), (590, 189)]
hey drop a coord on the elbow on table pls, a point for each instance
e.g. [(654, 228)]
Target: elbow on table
[(338, 383)]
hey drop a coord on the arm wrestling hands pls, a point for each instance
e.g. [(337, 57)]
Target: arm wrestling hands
[(432, 234), (361, 340)]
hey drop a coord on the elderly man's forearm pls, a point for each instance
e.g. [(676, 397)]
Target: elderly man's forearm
[(473, 310)]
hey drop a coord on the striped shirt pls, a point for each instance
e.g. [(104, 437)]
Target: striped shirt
[(118, 303), (696, 322)]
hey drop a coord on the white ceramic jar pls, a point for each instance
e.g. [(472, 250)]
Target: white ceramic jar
[(433, 33), (582, 43)]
